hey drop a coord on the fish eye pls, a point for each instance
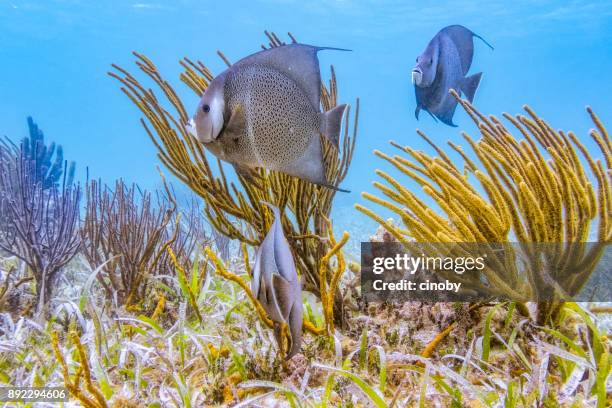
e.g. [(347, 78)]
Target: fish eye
[(206, 108), (430, 61)]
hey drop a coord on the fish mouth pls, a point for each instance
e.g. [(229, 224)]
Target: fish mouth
[(190, 127), (203, 137), (417, 77)]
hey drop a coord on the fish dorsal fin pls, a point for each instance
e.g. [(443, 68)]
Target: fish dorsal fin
[(282, 295), (463, 40), (299, 62)]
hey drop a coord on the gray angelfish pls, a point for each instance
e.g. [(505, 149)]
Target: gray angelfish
[(276, 283), (264, 111), (443, 66)]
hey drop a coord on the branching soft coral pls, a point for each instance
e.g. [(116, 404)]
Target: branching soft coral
[(88, 393), (534, 190), (235, 210), (128, 231)]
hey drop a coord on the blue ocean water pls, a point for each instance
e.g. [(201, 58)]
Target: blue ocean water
[(54, 56)]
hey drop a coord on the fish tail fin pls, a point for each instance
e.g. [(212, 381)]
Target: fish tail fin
[(332, 122), (470, 84), (483, 40)]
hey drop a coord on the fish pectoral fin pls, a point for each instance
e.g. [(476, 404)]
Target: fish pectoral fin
[(278, 333), (470, 84), (283, 294), (243, 171), (331, 124), (295, 328), (248, 174), (256, 277), (416, 112), (236, 125), (263, 293)]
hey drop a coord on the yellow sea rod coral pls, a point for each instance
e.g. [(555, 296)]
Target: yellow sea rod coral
[(235, 210), (81, 385), (543, 188)]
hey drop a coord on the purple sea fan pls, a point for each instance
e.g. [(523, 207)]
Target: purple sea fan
[(38, 225)]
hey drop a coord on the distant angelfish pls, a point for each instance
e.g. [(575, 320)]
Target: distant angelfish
[(276, 283), (443, 66), (264, 111)]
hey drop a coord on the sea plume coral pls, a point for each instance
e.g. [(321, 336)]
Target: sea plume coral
[(40, 210), (534, 190), (127, 232), (235, 210)]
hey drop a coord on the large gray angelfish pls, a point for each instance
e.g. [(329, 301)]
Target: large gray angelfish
[(444, 65), (276, 283), (264, 111)]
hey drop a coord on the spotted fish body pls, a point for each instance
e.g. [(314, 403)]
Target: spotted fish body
[(270, 114), (443, 66), (276, 285), (278, 114)]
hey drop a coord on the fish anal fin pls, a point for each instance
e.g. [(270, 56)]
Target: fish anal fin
[(331, 124), (309, 166), (447, 117), (470, 84), (432, 115), (447, 110), (247, 173), (341, 190), (283, 294)]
